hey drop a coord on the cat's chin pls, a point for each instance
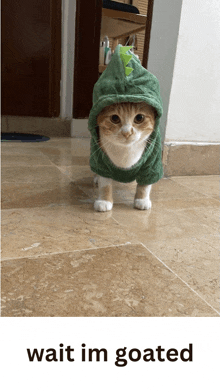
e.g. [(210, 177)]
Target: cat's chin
[(127, 142)]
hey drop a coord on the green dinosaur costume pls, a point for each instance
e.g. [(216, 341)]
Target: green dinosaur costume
[(120, 83)]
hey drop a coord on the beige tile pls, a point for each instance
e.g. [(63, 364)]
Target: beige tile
[(66, 146), (211, 240), (207, 217), (159, 223), (8, 149), (166, 193), (166, 189), (191, 160), (33, 174), (68, 160), (122, 193), (24, 160), (45, 230), (194, 261), (182, 204), (85, 183), (47, 199), (44, 194), (207, 185), (77, 172), (174, 195), (114, 281)]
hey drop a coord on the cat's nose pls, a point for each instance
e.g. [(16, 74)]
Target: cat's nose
[(127, 132)]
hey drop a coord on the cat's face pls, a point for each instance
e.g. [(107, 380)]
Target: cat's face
[(126, 123)]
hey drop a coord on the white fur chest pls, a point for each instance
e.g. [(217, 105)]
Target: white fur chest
[(124, 156)]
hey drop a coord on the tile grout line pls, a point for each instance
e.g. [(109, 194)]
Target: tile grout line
[(69, 251), (65, 174), (179, 278), (53, 164), (117, 222)]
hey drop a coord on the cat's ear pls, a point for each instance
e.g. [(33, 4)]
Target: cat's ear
[(155, 112), (97, 132)]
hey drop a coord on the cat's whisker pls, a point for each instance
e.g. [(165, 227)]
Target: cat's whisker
[(99, 149)]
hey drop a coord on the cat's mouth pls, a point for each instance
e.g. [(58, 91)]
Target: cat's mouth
[(127, 141)]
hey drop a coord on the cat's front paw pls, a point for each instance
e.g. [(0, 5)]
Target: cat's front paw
[(142, 204), (96, 180), (102, 205)]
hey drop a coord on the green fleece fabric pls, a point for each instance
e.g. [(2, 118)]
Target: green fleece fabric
[(122, 83)]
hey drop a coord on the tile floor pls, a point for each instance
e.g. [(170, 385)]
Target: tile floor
[(61, 258)]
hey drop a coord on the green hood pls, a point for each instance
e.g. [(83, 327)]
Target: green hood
[(122, 83)]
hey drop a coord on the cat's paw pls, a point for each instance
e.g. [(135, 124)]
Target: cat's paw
[(142, 204), (102, 205), (96, 180)]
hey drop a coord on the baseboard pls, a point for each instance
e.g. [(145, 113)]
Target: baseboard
[(52, 127), (190, 158), (79, 128)]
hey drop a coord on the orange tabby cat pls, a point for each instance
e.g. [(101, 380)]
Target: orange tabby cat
[(124, 130)]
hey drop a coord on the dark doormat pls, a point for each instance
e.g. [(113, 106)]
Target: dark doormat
[(23, 137)]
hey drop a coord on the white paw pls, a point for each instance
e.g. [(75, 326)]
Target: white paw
[(142, 204), (102, 205), (96, 180)]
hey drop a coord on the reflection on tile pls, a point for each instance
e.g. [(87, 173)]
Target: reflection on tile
[(195, 262), (34, 231), (181, 204), (35, 174), (68, 160), (77, 172), (207, 185), (165, 193), (166, 189), (114, 281), (208, 216), (14, 148), (75, 147), (24, 160), (41, 195), (159, 223), (122, 193)]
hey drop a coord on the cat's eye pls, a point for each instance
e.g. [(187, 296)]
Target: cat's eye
[(115, 119), (139, 118)]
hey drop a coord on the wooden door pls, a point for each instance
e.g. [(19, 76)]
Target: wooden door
[(86, 66), (31, 57)]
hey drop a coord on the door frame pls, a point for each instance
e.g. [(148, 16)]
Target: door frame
[(150, 7), (55, 58)]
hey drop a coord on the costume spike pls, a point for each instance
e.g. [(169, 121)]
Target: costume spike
[(126, 58)]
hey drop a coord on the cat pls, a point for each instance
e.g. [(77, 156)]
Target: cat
[(124, 131)]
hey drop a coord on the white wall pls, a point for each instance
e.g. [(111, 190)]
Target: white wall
[(194, 109), (162, 51)]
